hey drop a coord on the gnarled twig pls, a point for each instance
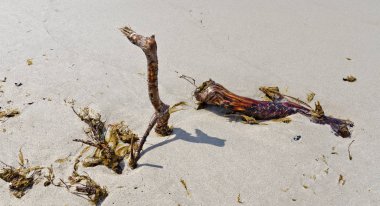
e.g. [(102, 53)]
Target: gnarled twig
[(161, 115)]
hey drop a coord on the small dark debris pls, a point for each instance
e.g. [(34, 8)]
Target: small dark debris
[(349, 78), (4, 80), (18, 84), (30, 103), (296, 138), (349, 59)]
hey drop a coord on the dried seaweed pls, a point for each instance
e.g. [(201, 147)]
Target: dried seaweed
[(22, 178), (286, 120), (50, 177), (318, 111), (185, 186), (272, 93), (9, 113), (310, 97), (177, 107), (249, 120), (349, 78), (111, 143), (81, 185), (84, 186)]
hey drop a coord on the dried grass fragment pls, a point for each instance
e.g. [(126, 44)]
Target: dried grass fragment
[(185, 186)]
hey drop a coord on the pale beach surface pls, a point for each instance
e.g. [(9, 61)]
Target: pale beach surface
[(301, 46)]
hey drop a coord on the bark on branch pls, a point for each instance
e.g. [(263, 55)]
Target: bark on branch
[(161, 116)]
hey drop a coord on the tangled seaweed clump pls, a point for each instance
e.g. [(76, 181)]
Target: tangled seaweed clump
[(22, 178), (84, 186), (111, 143)]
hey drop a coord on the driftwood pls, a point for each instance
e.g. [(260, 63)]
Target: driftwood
[(279, 106), (161, 116)]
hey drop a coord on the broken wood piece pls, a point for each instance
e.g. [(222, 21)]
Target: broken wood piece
[(212, 93)]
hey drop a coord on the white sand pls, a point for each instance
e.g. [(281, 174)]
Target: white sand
[(78, 53)]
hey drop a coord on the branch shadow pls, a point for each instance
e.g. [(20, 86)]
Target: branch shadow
[(180, 134)]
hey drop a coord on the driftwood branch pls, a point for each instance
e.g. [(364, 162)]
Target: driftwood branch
[(212, 93), (161, 116)]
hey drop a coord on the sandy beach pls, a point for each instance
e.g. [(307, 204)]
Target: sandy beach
[(78, 53)]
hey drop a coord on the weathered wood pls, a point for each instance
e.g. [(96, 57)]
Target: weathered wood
[(161, 116), (212, 93)]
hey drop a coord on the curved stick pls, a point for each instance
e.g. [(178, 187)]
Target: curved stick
[(149, 46), (161, 116)]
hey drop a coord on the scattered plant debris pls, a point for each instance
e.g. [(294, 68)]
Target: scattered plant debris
[(349, 78), (22, 178), (239, 199), (29, 62), (341, 180), (310, 97), (111, 144), (85, 187), (305, 186), (185, 186), (18, 84), (349, 150), (82, 185), (9, 113), (50, 177)]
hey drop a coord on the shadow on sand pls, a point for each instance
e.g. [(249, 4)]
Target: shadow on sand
[(180, 134)]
